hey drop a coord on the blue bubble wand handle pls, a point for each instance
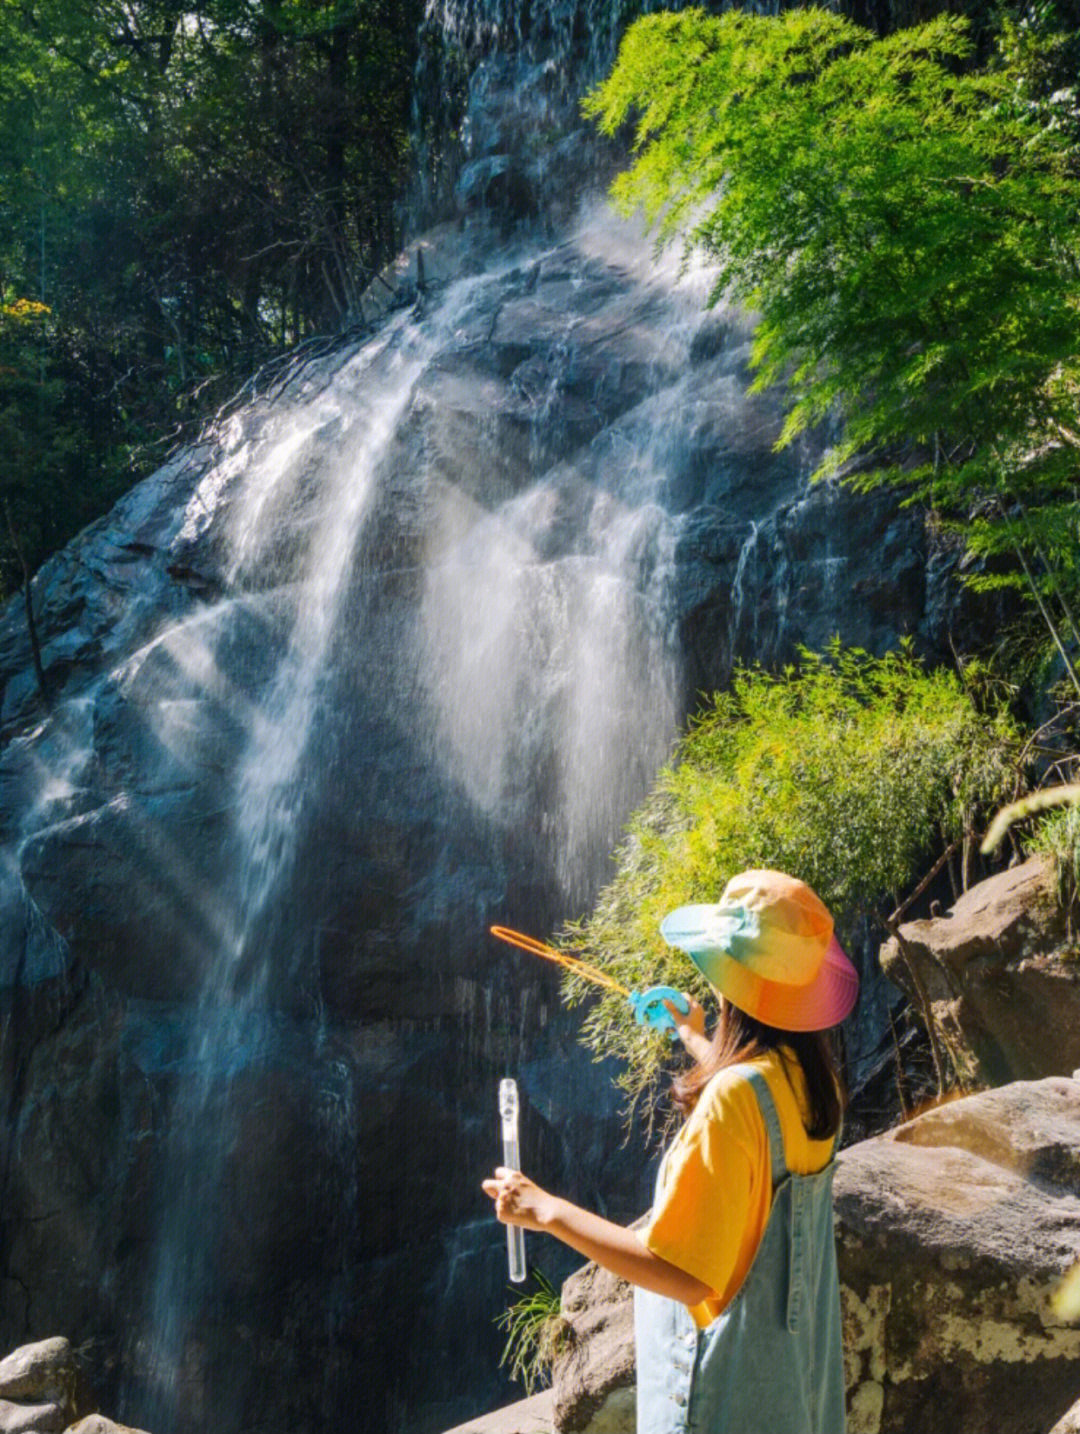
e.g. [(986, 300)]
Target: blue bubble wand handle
[(508, 1112), (649, 1009)]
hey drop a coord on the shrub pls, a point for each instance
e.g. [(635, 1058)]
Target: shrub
[(1058, 837), (846, 770)]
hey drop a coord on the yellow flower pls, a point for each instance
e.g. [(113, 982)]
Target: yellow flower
[(25, 309)]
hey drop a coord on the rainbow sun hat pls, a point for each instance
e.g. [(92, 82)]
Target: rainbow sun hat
[(768, 946)]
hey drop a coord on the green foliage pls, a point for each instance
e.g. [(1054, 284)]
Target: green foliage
[(848, 771), (536, 1333), (48, 400), (905, 226), (189, 191), (1058, 837)]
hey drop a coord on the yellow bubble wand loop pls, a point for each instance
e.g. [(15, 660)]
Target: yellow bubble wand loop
[(572, 963), (648, 1006)]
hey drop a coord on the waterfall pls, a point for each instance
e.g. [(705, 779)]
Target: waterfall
[(537, 682), (235, 1023)]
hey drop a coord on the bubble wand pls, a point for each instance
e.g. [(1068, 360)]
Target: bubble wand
[(648, 1006), (508, 1111)]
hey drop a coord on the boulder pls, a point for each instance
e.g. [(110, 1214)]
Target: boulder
[(953, 1232), (1001, 977), (526, 1416), (44, 1372), (594, 1377), (98, 1424), (40, 1393), (30, 1418)]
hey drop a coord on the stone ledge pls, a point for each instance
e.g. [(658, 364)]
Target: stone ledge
[(527, 1416)]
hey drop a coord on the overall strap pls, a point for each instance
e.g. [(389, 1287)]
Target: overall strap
[(798, 1199), (772, 1122)]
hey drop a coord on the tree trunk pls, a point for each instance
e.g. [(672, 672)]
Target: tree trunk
[(28, 600)]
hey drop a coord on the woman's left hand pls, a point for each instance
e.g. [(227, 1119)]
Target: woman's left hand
[(690, 1025), (519, 1200)]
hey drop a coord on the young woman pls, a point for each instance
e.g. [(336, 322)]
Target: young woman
[(737, 1308)]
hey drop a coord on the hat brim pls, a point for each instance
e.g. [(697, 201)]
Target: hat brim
[(817, 1005)]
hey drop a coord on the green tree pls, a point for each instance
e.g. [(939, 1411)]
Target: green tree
[(216, 176), (46, 400), (186, 192), (905, 227)]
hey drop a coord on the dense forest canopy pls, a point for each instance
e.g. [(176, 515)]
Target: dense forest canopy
[(183, 192)]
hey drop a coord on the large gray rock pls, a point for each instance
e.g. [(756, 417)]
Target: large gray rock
[(31, 1418), (1001, 977), (524, 1416), (40, 1393), (954, 1231), (98, 1424), (43, 1372)]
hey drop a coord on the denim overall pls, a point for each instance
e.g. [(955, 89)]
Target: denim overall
[(771, 1362)]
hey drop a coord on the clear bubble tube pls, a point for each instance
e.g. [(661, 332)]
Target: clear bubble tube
[(508, 1112)]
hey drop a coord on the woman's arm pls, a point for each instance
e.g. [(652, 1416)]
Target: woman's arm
[(519, 1201)]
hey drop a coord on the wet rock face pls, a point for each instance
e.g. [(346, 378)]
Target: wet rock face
[(381, 665), (1001, 975)]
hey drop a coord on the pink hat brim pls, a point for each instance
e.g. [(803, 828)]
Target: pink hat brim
[(819, 1005)]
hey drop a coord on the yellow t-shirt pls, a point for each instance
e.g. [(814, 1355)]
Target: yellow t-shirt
[(716, 1192)]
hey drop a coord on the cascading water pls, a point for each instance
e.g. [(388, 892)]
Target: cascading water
[(542, 685), (541, 658), (382, 663), (235, 1025)]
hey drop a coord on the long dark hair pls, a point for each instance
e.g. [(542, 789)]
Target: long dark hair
[(739, 1037)]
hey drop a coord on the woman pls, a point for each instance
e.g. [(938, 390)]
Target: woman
[(737, 1311)]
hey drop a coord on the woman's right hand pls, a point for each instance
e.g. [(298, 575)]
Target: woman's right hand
[(690, 1025), (519, 1200)]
